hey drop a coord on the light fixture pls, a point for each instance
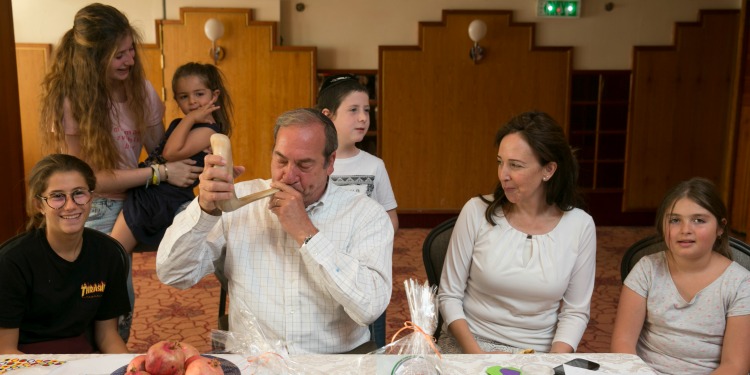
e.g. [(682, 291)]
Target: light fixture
[(477, 31), (214, 30)]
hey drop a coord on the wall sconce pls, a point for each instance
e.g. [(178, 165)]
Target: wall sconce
[(214, 30), (477, 31)]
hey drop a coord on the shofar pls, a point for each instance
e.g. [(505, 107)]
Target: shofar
[(222, 147)]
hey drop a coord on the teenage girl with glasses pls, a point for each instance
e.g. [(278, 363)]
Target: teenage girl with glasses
[(58, 280)]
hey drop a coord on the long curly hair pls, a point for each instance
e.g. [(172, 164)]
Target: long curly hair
[(79, 75), (547, 140)]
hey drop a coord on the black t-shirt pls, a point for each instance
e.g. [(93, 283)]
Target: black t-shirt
[(50, 298)]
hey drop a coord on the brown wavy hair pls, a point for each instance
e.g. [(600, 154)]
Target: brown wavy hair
[(547, 140), (39, 181), (79, 74), (703, 192)]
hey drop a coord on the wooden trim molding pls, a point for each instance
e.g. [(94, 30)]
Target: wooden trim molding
[(11, 152)]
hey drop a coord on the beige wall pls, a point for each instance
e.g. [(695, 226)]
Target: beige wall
[(348, 32), (57, 15)]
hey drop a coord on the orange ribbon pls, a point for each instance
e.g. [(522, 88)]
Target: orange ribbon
[(409, 325)]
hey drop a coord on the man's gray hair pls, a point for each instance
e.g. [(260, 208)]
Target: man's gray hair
[(309, 116)]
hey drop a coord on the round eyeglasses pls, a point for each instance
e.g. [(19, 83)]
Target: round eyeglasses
[(57, 201)]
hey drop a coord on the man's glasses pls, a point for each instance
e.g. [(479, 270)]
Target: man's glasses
[(57, 201)]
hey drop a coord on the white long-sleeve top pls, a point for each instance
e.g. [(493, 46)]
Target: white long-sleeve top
[(509, 287), (319, 297)]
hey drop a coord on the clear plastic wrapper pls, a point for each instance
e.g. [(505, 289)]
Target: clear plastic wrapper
[(413, 350), (265, 355)]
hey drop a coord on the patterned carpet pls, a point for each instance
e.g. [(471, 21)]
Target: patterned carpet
[(163, 312)]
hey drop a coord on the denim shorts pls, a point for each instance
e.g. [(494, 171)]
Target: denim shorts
[(103, 214)]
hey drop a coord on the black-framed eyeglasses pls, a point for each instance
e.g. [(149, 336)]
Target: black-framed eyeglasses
[(57, 201)]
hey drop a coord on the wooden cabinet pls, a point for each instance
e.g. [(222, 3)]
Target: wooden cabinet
[(369, 79), (598, 127)]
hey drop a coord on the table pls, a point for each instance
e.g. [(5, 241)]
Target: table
[(100, 364)]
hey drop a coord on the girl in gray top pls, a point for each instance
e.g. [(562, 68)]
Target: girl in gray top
[(686, 310)]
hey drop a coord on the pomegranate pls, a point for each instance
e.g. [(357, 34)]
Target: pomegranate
[(189, 350), (191, 359), (137, 363), (136, 372), (204, 366), (165, 358)]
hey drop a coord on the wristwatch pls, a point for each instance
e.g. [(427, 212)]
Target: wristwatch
[(307, 239)]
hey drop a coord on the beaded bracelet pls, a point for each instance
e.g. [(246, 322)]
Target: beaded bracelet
[(148, 180), (155, 178)]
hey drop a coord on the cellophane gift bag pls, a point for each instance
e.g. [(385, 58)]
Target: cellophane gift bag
[(265, 355), (415, 352)]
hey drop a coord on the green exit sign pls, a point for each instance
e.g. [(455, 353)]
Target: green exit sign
[(559, 9)]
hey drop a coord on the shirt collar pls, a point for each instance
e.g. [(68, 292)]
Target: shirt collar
[(326, 197)]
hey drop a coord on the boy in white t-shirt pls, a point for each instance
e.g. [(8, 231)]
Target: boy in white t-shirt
[(347, 103)]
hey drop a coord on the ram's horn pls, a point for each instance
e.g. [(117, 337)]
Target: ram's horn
[(222, 147)]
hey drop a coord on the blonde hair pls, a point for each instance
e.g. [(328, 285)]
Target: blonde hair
[(79, 74)]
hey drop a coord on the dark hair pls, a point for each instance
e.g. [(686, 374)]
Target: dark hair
[(703, 192), (335, 89), (39, 181), (307, 116), (547, 141), (212, 78)]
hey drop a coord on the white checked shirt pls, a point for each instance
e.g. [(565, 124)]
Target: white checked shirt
[(317, 298)]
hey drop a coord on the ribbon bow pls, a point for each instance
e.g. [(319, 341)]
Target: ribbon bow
[(409, 325)]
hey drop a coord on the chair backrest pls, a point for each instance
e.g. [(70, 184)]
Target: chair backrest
[(433, 255), (654, 243), (223, 318), (740, 252), (434, 248)]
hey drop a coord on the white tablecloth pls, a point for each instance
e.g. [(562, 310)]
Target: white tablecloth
[(344, 364)]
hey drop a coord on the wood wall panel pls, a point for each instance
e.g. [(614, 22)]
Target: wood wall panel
[(13, 188), (680, 110), (439, 111), (263, 79), (739, 219), (32, 62), (151, 60)]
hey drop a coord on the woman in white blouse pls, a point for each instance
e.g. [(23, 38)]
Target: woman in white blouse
[(520, 266)]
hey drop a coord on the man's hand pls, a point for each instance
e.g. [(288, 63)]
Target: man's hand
[(289, 207), (214, 185)]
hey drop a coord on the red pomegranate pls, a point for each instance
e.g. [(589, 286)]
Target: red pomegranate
[(198, 365), (191, 359), (137, 363), (188, 349), (165, 358)]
